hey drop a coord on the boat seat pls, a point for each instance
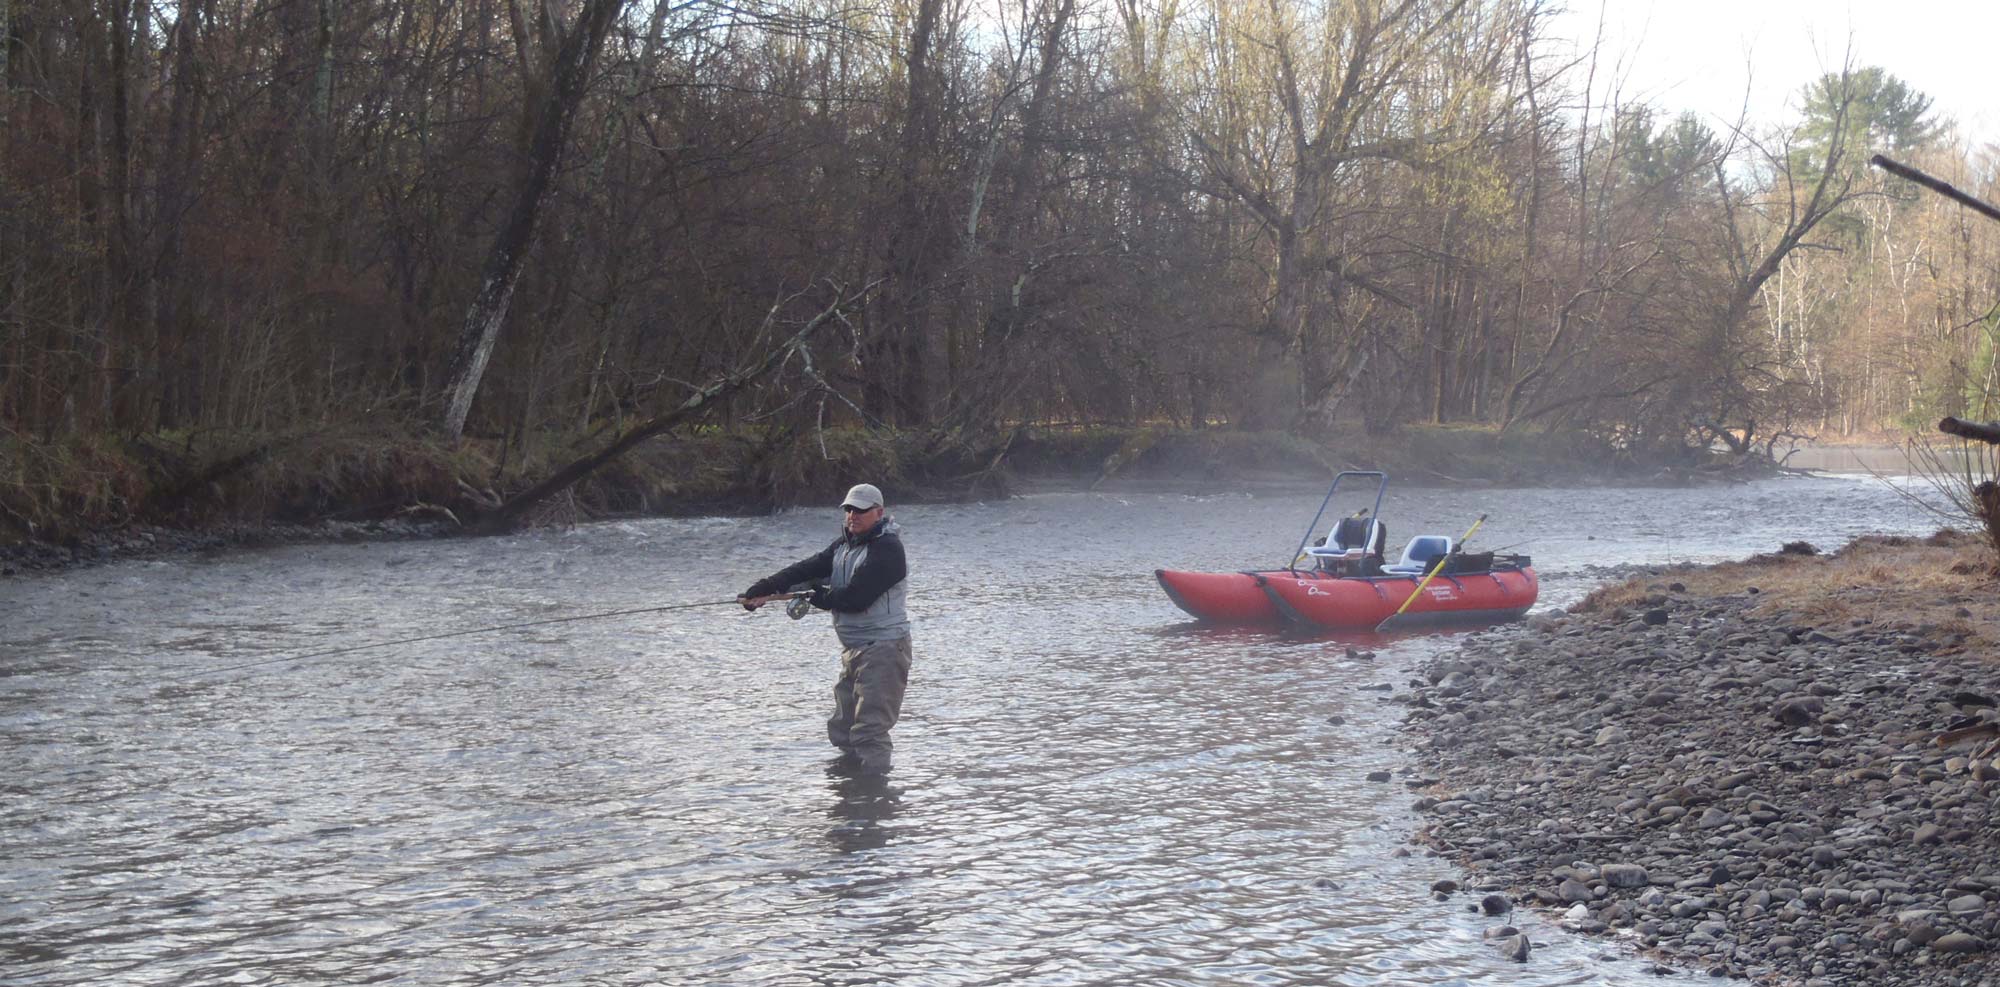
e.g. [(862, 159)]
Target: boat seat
[(1420, 554), (1352, 538)]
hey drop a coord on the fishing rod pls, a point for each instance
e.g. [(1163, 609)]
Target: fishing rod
[(793, 610)]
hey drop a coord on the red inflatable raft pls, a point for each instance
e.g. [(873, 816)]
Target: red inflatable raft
[(1313, 599), (1343, 583)]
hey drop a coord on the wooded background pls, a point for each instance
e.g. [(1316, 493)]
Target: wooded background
[(1269, 213)]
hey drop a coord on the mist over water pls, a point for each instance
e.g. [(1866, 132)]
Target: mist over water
[(1089, 788)]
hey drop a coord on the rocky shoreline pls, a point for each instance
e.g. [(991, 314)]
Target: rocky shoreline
[(1748, 794)]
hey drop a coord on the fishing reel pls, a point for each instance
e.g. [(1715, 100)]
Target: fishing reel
[(799, 607)]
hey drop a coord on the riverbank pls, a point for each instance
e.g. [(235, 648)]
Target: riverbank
[(1781, 769), (130, 497)]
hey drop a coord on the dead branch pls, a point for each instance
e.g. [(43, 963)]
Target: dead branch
[(1988, 432), (507, 514), (1979, 731), (422, 510), (1938, 185), (484, 499)]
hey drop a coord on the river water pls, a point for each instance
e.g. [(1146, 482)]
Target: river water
[(1089, 789)]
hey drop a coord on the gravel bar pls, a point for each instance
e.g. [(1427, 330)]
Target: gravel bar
[(1725, 790)]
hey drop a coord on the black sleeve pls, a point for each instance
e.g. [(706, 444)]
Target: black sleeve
[(814, 567), (884, 567)]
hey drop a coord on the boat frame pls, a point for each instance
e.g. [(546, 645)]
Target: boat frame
[(1375, 512)]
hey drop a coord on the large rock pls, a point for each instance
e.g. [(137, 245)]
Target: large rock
[(1624, 875), (1958, 942), (1798, 711), (1965, 904)]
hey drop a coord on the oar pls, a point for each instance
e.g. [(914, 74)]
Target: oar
[(1428, 576)]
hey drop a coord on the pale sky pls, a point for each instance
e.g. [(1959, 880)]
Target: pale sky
[(1699, 54)]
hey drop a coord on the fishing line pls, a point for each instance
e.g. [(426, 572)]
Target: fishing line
[(440, 637)]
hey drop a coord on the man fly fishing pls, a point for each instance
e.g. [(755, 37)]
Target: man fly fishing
[(860, 578)]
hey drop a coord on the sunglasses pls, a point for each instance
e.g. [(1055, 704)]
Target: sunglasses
[(851, 509)]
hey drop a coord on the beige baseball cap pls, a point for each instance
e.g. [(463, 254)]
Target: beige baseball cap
[(863, 496)]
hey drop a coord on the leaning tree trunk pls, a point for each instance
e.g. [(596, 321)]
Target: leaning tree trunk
[(488, 310), (509, 514)]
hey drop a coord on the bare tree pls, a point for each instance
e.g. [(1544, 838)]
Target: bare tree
[(1815, 172), (1296, 100), (568, 75)]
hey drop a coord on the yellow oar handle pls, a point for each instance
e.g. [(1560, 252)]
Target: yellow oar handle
[(1435, 569)]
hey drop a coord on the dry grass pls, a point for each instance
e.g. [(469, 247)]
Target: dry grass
[(1942, 587), (49, 490)]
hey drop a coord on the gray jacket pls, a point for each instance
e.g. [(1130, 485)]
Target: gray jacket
[(864, 584)]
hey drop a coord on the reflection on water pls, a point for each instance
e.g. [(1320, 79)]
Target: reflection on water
[(863, 810), (1088, 788)]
